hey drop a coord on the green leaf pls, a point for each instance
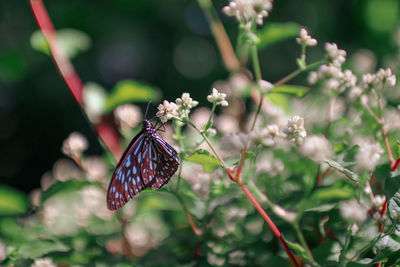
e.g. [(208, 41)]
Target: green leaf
[(71, 41), (299, 250), (66, 186), (277, 32), (349, 174), (327, 195), (131, 91), (38, 248), (295, 90), (12, 201), (392, 193), (280, 100), (204, 158)]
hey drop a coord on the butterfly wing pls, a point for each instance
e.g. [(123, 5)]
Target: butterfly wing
[(167, 162), (126, 181)]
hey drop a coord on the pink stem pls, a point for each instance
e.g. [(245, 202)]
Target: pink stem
[(105, 131)]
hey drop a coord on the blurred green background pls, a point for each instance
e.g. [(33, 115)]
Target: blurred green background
[(163, 43)]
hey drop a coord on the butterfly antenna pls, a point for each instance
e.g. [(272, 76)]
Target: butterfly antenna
[(147, 108)]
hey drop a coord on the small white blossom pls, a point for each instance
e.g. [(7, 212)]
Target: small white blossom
[(185, 104), (336, 56), (166, 111), (316, 147), (353, 211), (313, 77), (368, 81), (385, 76), (96, 169), (44, 262), (247, 10), (217, 98), (74, 145), (305, 38), (265, 136), (334, 79), (354, 229), (128, 115), (295, 129), (368, 156)]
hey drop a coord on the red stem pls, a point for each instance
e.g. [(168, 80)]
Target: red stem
[(268, 220), (105, 131)]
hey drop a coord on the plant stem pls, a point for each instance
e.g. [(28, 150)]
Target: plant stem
[(222, 39), (303, 242), (209, 144), (298, 71), (270, 223), (342, 256)]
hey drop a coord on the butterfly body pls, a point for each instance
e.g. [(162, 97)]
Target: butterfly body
[(148, 161)]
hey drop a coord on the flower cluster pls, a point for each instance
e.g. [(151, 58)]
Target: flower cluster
[(166, 111), (379, 79), (336, 56), (185, 104), (305, 39), (295, 131), (217, 98), (316, 147), (246, 11), (74, 145), (368, 156), (128, 115), (334, 80)]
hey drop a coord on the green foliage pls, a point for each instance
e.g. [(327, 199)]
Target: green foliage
[(276, 32), (295, 90), (71, 41), (12, 201), (204, 158), (128, 91)]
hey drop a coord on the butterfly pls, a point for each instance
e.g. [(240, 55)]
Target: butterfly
[(148, 161)]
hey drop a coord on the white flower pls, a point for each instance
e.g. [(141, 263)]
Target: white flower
[(185, 104), (44, 262), (247, 10), (166, 111), (385, 76), (74, 145), (368, 156), (265, 136), (353, 211), (295, 129), (305, 39), (368, 81), (217, 98), (313, 77), (129, 115), (336, 56), (316, 147)]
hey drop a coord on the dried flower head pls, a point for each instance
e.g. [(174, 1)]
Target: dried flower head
[(217, 98), (166, 111), (74, 145), (295, 129), (305, 39)]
